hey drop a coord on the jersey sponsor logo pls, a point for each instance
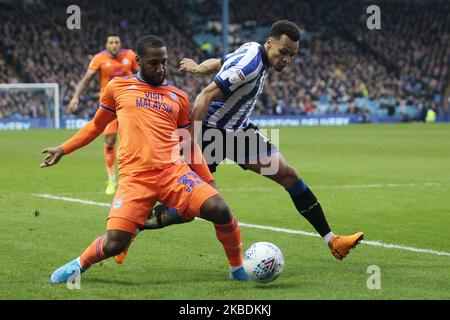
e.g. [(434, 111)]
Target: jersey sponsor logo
[(237, 76), (155, 105), (240, 74)]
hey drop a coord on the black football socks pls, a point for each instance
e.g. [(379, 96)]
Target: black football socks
[(308, 206)]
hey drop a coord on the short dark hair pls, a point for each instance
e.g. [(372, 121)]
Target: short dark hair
[(285, 27), (111, 35), (150, 41)]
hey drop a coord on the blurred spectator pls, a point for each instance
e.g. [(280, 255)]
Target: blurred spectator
[(342, 67)]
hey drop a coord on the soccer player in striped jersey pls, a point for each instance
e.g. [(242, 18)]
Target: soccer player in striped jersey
[(225, 105), (109, 63)]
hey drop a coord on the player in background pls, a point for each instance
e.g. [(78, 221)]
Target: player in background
[(150, 111), (226, 104), (109, 63)]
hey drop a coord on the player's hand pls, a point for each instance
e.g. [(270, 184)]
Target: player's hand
[(53, 154), (73, 104), (188, 65)]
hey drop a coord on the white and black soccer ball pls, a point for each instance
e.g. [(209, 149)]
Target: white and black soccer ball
[(263, 262)]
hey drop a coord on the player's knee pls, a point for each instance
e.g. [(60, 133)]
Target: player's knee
[(216, 210), (113, 248), (116, 241), (223, 213)]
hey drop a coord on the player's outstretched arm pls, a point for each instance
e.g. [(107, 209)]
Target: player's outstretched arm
[(82, 138), (201, 106), (73, 104), (206, 67)]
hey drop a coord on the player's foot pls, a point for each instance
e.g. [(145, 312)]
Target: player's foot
[(111, 186), (120, 258), (340, 246), (62, 274), (163, 216), (240, 275)]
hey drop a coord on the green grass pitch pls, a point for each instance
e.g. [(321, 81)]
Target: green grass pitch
[(390, 181)]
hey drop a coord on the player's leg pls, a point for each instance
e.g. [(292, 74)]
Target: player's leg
[(302, 196), (183, 190), (258, 154), (109, 156), (228, 233), (109, 245), (305, 201), (105, 246), (134, 199), (128, 212), (109, 153)]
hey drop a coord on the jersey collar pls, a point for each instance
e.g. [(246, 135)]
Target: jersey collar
[(265, 59), (164, 84)]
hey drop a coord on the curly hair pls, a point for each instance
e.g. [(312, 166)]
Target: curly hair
[(286, 27)]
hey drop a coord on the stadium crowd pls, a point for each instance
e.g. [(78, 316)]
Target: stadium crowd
[(44, 50), (401, 69), (343, 67)]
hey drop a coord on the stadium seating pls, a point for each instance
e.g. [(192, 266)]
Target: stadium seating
[(342, 68)]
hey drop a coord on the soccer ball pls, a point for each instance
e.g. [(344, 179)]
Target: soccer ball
[(263, 262)]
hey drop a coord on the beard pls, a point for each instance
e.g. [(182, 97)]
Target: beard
[(153, 81)]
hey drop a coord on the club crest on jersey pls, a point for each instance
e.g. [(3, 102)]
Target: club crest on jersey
[(117, 203), (125, 61), (173, 96), (237, 76)]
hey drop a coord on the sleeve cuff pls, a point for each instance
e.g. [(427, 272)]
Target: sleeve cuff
[(106, 108), (222, 88)]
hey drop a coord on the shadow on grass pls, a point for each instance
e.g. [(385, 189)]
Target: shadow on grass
[(274, 286)]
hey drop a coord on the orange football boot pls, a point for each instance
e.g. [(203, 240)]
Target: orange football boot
[(340, 246)]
